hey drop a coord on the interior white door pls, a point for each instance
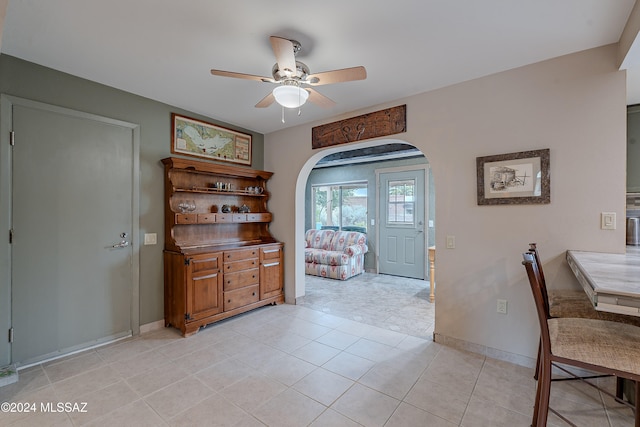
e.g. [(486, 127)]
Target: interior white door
[(402, 230), (71, 261)]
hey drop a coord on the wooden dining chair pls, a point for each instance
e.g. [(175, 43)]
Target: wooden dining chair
[(575, 304), (567, 303), (601, 346)]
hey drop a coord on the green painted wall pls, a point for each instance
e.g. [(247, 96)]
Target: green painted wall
[(27, 80)]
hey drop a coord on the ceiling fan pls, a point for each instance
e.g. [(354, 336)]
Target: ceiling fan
[(293, 77)]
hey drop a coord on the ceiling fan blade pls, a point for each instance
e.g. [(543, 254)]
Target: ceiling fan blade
[(266, 101), (337, 76), (319, 99), (283, 49), (242, 76)]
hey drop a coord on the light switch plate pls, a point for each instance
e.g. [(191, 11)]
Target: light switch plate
[(150, 238), (451, 242), (608, 220)]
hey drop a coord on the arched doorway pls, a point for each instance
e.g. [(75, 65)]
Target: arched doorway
[(375, 216)]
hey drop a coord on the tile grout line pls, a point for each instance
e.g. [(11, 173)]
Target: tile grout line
[(475, 384)]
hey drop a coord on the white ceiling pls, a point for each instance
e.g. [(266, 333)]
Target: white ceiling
[(164, 49)]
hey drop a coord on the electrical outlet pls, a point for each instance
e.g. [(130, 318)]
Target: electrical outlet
[(502, 306)]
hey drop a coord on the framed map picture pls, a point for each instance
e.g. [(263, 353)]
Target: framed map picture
[(201, 139)]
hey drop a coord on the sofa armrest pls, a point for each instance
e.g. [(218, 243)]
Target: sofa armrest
[(355, 250)]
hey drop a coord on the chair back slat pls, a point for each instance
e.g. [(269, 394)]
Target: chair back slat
[(533, 248), (533, 273)]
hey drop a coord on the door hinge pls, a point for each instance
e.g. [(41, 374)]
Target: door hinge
[(187, 261), (11, 236), (10, 335), (12, 138)]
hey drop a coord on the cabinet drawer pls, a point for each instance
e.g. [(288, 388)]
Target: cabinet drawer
[(259, 217), (241, 279), (224, 217), (270, 253), (241, 297), (205, 262), (208, 218), (239, 217), (240, 255), (186, 218), (246, 264)]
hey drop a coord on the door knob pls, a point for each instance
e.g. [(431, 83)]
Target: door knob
[(123, 243)]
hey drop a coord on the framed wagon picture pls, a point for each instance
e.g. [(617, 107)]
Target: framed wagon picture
[(514, 178), (201, 139)]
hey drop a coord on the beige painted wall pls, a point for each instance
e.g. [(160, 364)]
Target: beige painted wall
[(575, 105)]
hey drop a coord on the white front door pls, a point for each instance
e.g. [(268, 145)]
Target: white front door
[(402, 230), (72, 220)]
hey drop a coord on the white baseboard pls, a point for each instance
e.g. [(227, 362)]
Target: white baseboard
[(484, 350), (153, 326)]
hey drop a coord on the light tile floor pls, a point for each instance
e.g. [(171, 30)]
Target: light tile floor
[(291, 365), (396, 303)]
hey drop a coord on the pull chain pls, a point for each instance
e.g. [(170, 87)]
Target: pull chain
[(282, 114)]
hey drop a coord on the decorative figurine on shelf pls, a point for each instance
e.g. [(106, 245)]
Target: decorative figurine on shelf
[(244, 209), (226, 209), (187, 206)]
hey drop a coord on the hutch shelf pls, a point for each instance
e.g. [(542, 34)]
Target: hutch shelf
[(219, 257)]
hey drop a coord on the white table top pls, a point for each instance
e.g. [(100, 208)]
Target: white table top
[(612, 281)]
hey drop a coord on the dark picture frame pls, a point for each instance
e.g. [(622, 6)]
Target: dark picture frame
[(193, 137), (514, 179)]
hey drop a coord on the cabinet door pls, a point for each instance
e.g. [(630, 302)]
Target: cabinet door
[(204, 286), (271, 272)]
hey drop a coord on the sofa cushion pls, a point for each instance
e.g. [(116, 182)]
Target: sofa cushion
[(318, 239), (342, 239), (319, 256)]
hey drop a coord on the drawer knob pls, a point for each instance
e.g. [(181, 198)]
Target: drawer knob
[(229, 301), (254, 294)]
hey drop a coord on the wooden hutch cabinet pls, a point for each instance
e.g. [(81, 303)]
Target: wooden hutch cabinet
[(219, 256)]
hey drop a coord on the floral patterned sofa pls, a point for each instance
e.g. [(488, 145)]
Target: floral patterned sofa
[(334, 254)]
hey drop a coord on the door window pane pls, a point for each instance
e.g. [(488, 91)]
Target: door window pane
[(401, 202)]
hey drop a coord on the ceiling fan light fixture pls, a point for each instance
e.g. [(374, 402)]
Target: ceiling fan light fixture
[(290, 96)]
